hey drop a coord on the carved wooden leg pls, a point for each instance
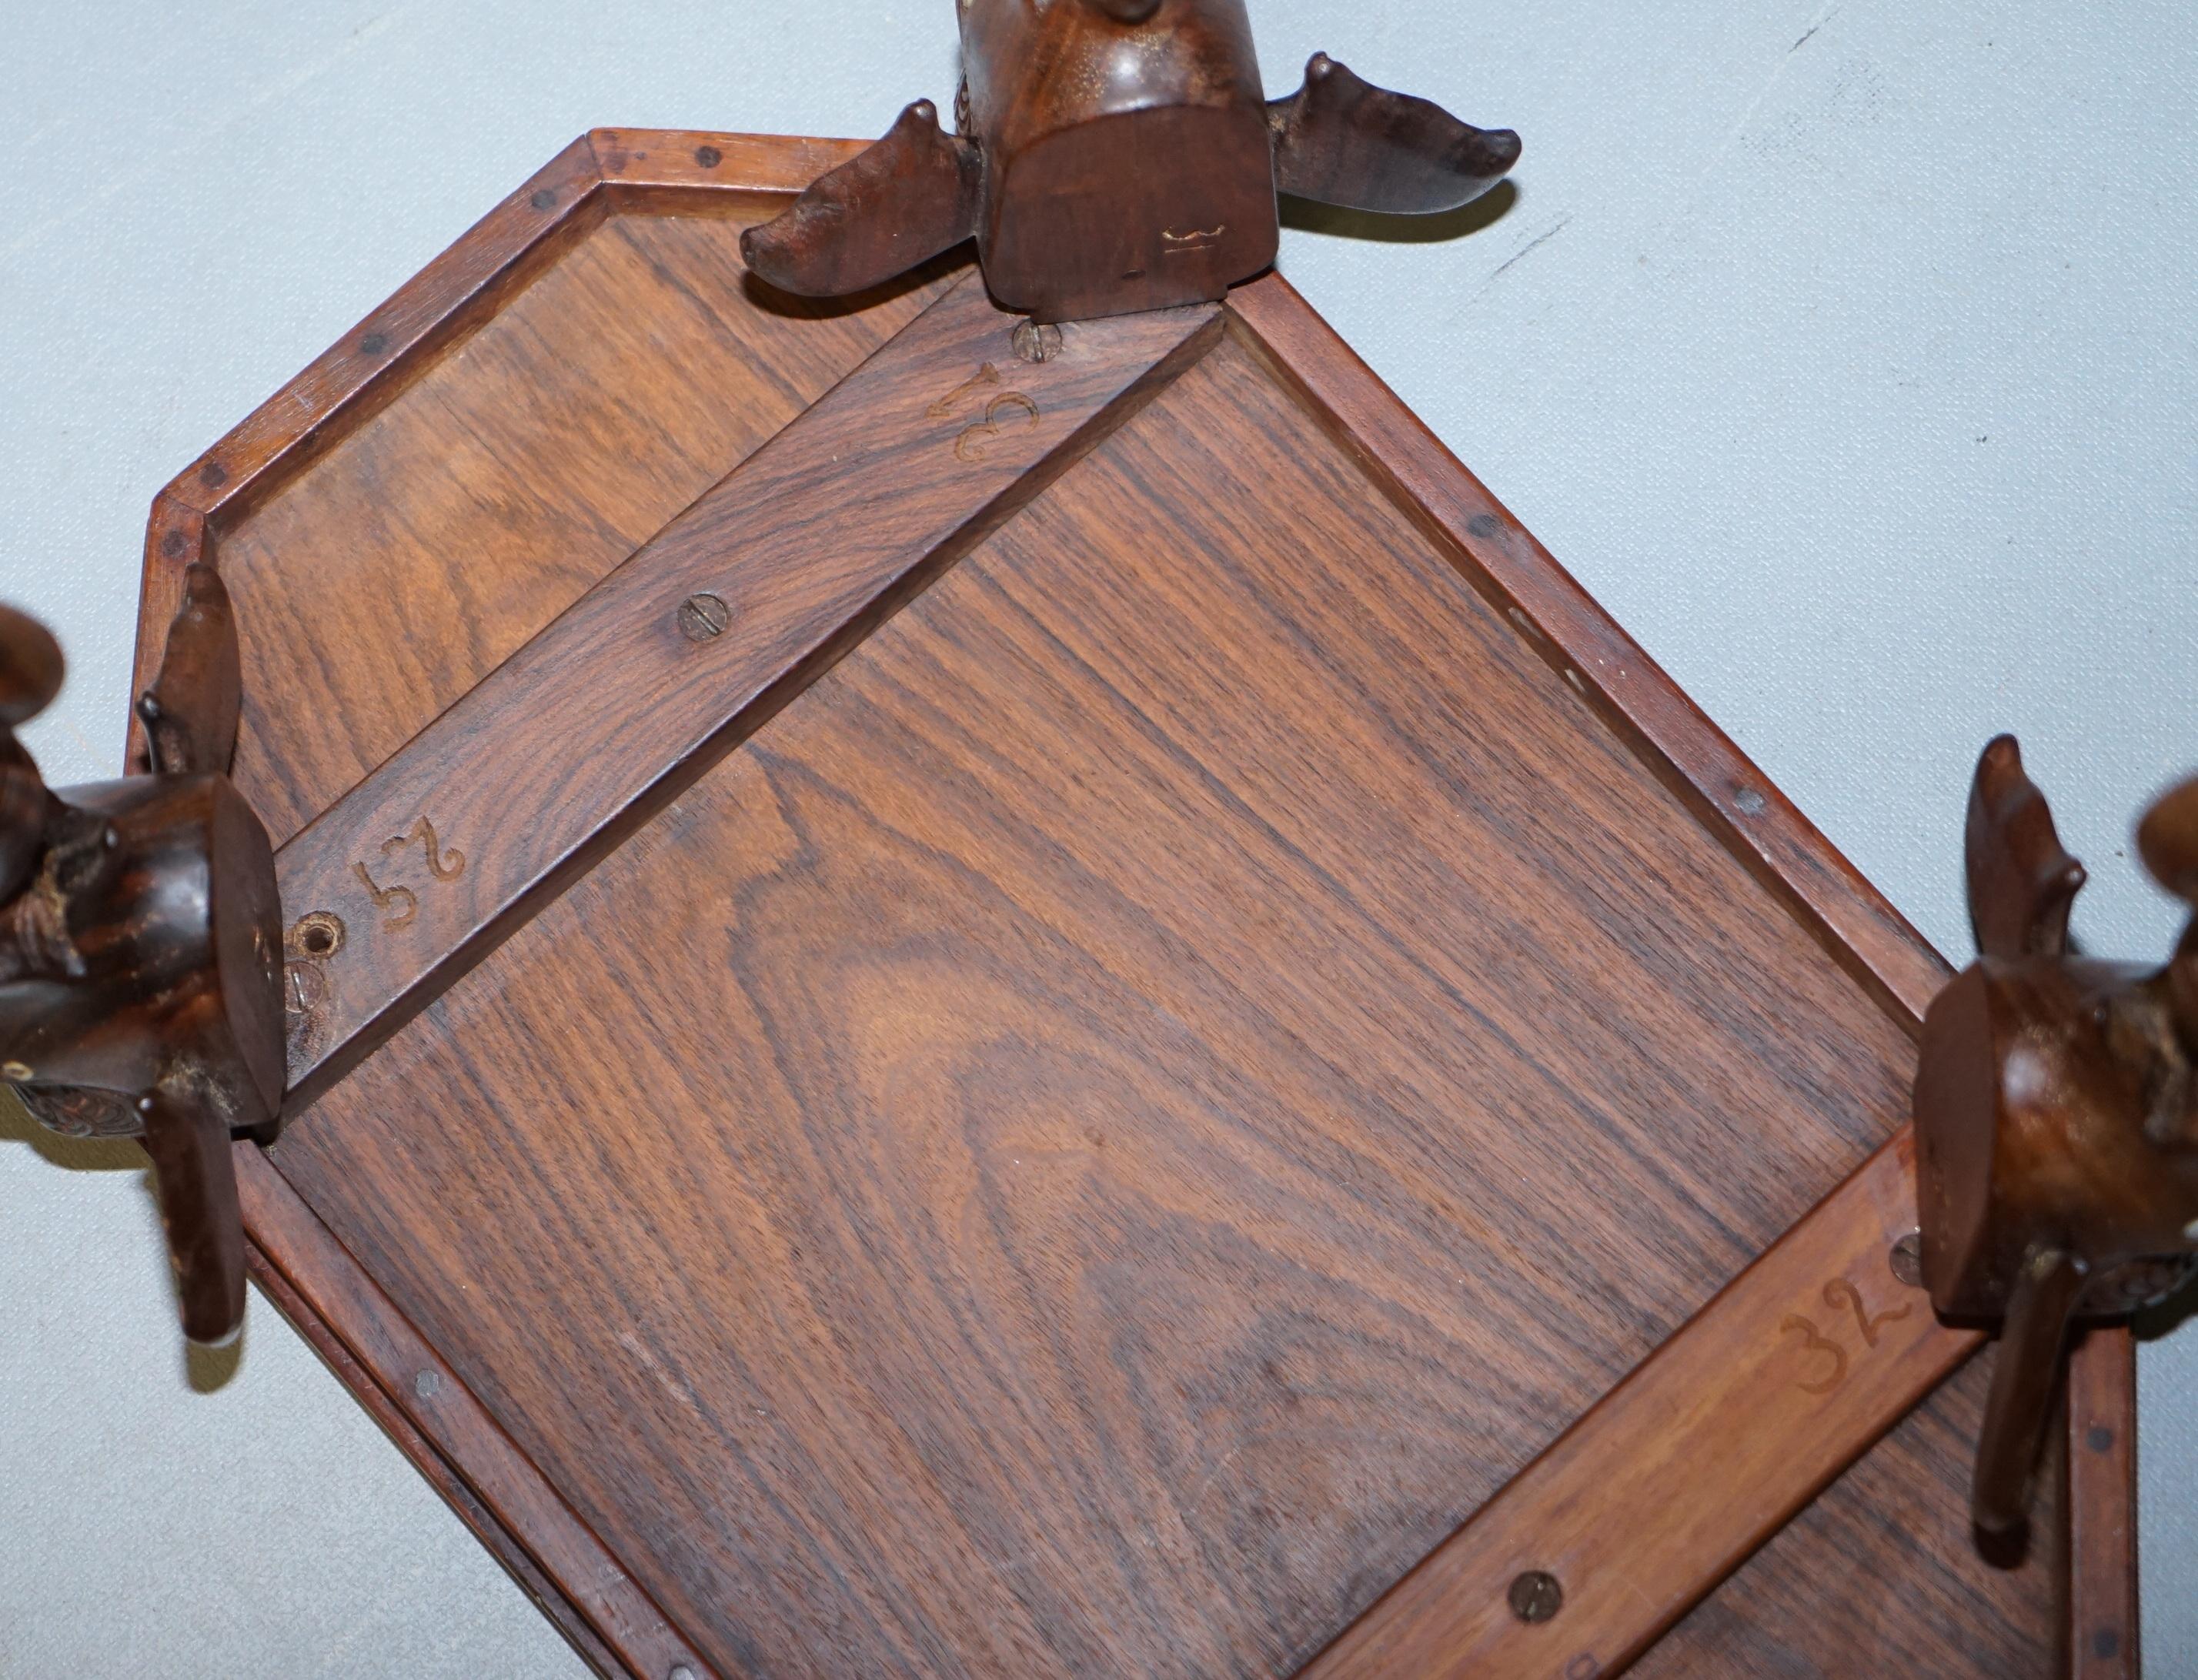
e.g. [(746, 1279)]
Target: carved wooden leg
[(190, 1145)]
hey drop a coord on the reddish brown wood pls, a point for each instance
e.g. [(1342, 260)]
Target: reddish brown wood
[(2099, 1507), (1213, 647), (738, 385), (1340, 140), (410, 1388), (1872, 940), (638, 687), (141, 944), (2057, 1115), (540, 1587), (1116, 156), (666, 171), (1729, 1428)]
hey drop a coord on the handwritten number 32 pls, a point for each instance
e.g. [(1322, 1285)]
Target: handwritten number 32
[(1838, 1294)]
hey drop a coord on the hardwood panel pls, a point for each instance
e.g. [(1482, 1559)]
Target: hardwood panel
[(1880, 1575), (1735, 1422), (1122, 1116), (414, 556)]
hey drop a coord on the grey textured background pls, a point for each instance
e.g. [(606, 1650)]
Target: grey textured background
[(1844, 350)]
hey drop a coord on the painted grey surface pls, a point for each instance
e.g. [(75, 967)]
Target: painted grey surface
[(1844, 350)]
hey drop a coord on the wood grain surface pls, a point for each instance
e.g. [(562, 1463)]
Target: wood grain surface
[(1880, 1576), (415, 557), (1727, 1430), (669, 661), (1142, 1099), (641, 301)]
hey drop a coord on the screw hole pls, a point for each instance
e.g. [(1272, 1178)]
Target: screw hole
[(317, 935)]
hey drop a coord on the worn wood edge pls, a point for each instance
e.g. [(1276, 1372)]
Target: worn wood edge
[(2102, 1625), (1854, 922), (673, 172), (175, 537), (440, 1474), (398, 340), (1647, 1446), (449, 1434)]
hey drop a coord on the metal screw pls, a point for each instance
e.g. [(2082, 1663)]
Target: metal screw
[(681, 1671), (1034, 343), (703, 617), (427, 1385), (1536, 1597), (1751, 803), (1906, 1260), (2099, 1437), (543, 199), (374, 344), (708, 156)]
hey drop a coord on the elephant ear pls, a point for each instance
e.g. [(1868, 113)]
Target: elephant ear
[(2167, 841), (190, 712), (30, 669), (2021, 882), (915, 194), (1340, 140)]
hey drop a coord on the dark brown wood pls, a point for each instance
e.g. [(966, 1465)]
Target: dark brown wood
[(1116, 156), (917, 193), (593, 443), (1126, 701), (2099, 1507), (141, 946), (1727, 1431), (192, 710), (2022, 883), (1562, 623), (415, 1395), (643, 683), (2057, 1113), (1340, 140)]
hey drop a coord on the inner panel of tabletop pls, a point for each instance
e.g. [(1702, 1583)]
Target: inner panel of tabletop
[(1118, 1118)]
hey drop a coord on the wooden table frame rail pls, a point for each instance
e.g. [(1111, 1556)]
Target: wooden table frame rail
[(1447, 1616)]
